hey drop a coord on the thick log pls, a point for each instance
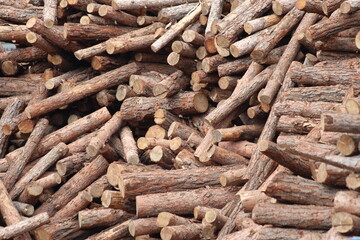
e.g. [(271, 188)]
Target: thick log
[(74, 185), (349, 6), (346, 223), (31, 193), (184, 49), (23, 54), (135, 184), (17, 166), (97, 217), (347, 201), (353, 181), (67, 228), (334, 93), (20, 15), (120, 17), (261, 23), (24, 226), (190, 231), (9, 212), (72, 164), (127, 45), (15, 33), (233, 177), (347, 146), (298, 216), (332, 26), (340, 122), (330, 175), (182, 202), (234, 67), (186, 160), (129, 144), (329, 6), (310, 6), (165, 219), (296, 125), (281, 7), (18, 4), (299, 190), (193, 37), (184, 103), (109, 79), (156, 131), (143, 226), (175, 29), (250, 198)]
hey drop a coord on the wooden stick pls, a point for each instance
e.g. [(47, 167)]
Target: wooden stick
[(261, 23), (143, 226), (344, 222), (49, 17), (90, 218), (280, 7), (340, 122), (165, 219), (24, 226), (130, 148), (190, 231), (347, 201)]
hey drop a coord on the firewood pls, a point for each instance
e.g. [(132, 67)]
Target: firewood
[(233, 177), (171, 85), (143, 226), (50, 13), (234, 67), (76, 204), (123, 92), (285, 186), (20, 4), (113, 199), (340, 122), (193, 37), (331, 26), (145, 143), (344, 222), (176, 29), (310, 6), (24, 226), (90, 218), (346, 201), (250, 198), (243, 148), (9, 212), (162, 156), (240, 132), (347, 145), (156, 131), (352, 105), (329, 6), (175, 180), (189, 231), (120, 17), (349, 6), (24, 208), (352, 181), (183, 48), (145, 20), (273, 85), (165, 219), (330, 175), (186, 159), (215, 197), (77, 183), (119, 230), (17, 15), (281, 7), (278, 215), (71, 164), (129, 144)]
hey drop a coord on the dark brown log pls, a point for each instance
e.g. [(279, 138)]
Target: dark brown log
[(170, 202), (90, 218), (298, 216), (347, 44), (15, 33), (17, 15), (299, 190), (77, 183)]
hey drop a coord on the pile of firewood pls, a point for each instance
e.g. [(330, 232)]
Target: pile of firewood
[(179, 119)]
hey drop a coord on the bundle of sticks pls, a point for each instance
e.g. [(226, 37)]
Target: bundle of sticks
[(180, 119)]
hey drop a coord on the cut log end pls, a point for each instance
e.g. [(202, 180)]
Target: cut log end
[(257, 55), (345, 7), (175, 143), (26, 126), (277, 8), (31, 37), (173, 58), (9, 68), (265, 99), (156, 154), (49, 23), (248, 28), (357, 40), (352, 106), (132, 228), (92, 151), (163, 219), (49, 85), (142, 143), (221, 41), (210, 216), (31, 22), (300, 4), (263, 145), (166, 234), (346, 145), (201, 102), (342, 222)]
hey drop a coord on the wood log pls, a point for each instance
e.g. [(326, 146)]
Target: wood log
[(118, 230), (39, 168), (145, 20), (240, 132), (330, 175), (310, 6), (9, 212), (329, 6), (130, 148), (295, 189), (296, 125), (189, 231), (165, 219), (24, 226), (20, 4), (145, 143), (184, 49), (243, 148), (186, 65), (143, 226), (281, 7), (17, 15), (175, 180), (193, 37), (344, 222), (340, 122), (288, 56), (195, 103), (352, 181), (120, 17), (332, 44), (90, 218), (31, 193), (24, 208), (113, 199), (186, 159), (71, 164), (304, 109), (298, 216), (234, 67), (50, 7), (171, 85), (133, 44), (331, 26), (93, 85), (233, 178), (77, 183), (349, 6), (347, 146), (250, 198), (162, 156), (15, 33), (156, 131), (176, 29), (213, 197), (76, 204), (241, 93), (347, 201), (17, 166), (49, 180)]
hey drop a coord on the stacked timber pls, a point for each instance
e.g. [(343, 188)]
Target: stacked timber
[(180, 119)]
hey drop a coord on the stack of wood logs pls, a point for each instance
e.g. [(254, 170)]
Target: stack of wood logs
[(180, 119)]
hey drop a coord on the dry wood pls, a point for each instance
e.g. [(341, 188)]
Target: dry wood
[(349, 6), (130, 148), (347, 201), (233, 177), (49, 14), (176, 29), (182, 202), (243, 148), (186, 159), (74, 185), (193, 37), (299, 216), (340, 122), (20, 15), (304, 109), (310, 6), (190, 231), (119, 230), (300, 190), (261, 23), (240, 132), (344, 222), (156, 131), (171, 85), (24, 208), (31, 193), (352, 181), (329, 6), (71, 164), (24, 226), (90, 218), (143, 226), (280, 7), (165, 219)]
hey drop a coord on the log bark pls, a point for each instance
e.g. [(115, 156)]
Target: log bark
[(340, 122), (49, 15), (171, 85), (170, 202), (250, 198), (298, 216), (130, 148), (234, 67), (136, 184), (120, 230), (346, 223), (347, 201), (127, 45), (281, 7), (261, 23), (332, 44), (300, 190), (165, 219), (190, 231), (17, 15), (90, 218), (129, 5), (296, 125), (17, 166), (24, 226), (329, 6), (243, 148), (74, 185), (143, 226), (349, 6), (72, 164), (87, 88), (240, 132), (313, 6)]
